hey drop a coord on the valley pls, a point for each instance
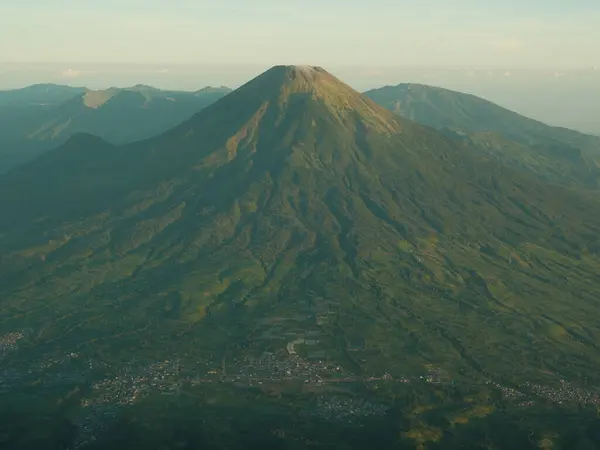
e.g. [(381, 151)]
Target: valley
[(100, 393)]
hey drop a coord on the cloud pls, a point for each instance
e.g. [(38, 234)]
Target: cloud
[(71, 73), (163, 71)]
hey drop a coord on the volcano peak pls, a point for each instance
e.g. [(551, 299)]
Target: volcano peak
[(303, 85)]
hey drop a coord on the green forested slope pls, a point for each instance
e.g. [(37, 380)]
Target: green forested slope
[(293, 196), (554, 154), (118, 115)]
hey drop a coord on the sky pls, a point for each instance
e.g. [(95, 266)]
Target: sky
[(515, 33), (538, 57)]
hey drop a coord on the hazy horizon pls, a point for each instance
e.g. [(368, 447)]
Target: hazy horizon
[(558, 97), (532, 47)]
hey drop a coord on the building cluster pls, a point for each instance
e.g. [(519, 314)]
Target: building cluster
[(130, 386), (8, 342), (138, 380), (112, 394), (565, 393), (273, 367), (54, 361), (507, 392), (347, 408)]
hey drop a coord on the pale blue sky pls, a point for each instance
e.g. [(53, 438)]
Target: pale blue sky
[(503, 33), (519, 53)]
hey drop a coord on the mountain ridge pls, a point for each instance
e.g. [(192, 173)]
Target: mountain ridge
[(392, 96), (295, 196), (39, 95), (118, 115), (554, 154)]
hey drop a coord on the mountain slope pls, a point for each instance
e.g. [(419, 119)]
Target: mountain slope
[(553, 153), (298, 202), (442, 108), (117, 115), (39, 95), (145, 110)]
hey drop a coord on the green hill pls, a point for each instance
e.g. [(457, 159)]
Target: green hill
[(117, 115), (296, 215), (553, 153)]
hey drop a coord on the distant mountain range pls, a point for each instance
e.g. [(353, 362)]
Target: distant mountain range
[(41, 117), (553, 153), (40, 95), (442, 108)]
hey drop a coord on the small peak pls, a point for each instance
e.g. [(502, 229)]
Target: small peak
[(282, 80), (298, 78), (305, 71), (46, 86), (211, 89), (95, 99), (143, 87)]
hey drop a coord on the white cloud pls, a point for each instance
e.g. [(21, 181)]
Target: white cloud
[(71, 73), (163, 71)]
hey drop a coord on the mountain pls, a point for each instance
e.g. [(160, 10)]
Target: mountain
[(295, 221), (442, 108), (39, 95), (117, 115), (144, 110), (553, 153)]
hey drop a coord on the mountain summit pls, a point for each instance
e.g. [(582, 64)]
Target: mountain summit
[(290, 89), (296, 205), (296, 79), (284, 81)]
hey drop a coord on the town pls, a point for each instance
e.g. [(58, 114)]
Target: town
[(9, 342), (331, 383)]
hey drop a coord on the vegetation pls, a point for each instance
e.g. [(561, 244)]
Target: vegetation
[(296, 197), (554, 154), (39, 95), (117, 115)]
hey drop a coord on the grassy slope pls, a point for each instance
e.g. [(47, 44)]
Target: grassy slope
[(443, 108), (303, 200), (553, 153)]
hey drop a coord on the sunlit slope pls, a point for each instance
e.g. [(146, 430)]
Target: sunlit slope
[(296, 197)]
